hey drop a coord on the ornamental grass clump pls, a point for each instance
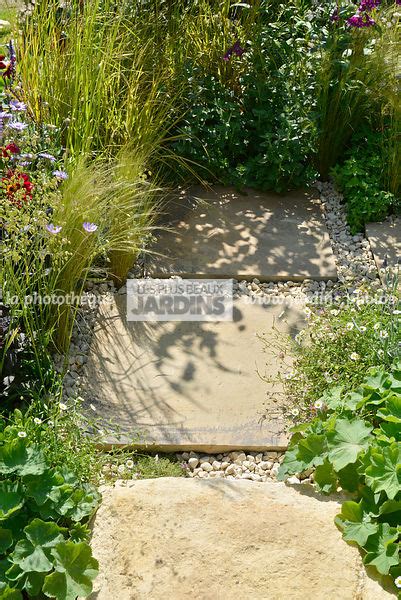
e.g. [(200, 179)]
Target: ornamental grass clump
[(357, 73), (90, 71)]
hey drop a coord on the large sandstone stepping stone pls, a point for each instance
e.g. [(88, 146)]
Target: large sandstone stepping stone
[(385, 242), (220, 540), (222, 233), (190, 385)]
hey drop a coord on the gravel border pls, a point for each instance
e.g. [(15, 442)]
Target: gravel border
[(356, 267)]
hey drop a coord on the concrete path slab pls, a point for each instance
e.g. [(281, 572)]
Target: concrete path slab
[(220, 540), (190, 385), (221, 233), (385, 241)]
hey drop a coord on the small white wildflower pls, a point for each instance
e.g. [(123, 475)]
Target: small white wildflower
[(397, 582), (290, 375), (383, 334), (362, 328), (376, 326), (349, 326), (37, 421), (354, 356), (22, 434), (380, 352), (318, 404), (63, 406), (129, 464), (335, 312), (121, 468)]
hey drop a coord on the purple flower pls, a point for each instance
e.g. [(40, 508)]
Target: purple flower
[(360, 21), (236, 48), (367, 5), (60, 175), (89, 227), (47, 155), (17, 125), (53, 228), (335, 16), (5, 115), (17, 106)]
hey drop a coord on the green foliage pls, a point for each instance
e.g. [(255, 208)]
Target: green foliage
[(43, 511), (338, 346), (258, 128), (351, 446), (362, 179)]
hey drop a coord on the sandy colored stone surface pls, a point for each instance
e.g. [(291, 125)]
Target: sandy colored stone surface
[(187, 539), (221, 233), (190, 385), (385, 241)]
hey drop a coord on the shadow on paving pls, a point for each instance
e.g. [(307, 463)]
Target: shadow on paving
[(225, 234), (188, 383)]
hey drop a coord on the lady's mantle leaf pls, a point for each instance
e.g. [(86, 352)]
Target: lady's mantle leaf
[(75, 570), (384, 470), (382, 551), (11, 499), (345, 443)]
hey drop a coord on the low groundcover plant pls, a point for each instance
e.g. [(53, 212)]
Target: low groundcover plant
[(354, 444), (43, 515)]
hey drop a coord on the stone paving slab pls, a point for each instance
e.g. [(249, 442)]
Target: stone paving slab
[(221, 233), (385, 241), (190, 385), (219, 540)]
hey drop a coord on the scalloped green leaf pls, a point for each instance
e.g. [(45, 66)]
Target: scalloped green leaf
[(17, 457), (391, 411), (75, 570), (347, 441), (384, 470), (312, 450), (11, 499), (325, 478), (382, 550)]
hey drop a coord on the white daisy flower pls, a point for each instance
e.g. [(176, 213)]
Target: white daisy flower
[(376, 326), (289, 375), (121, 468), (319, 404), (397, 582), (362, 328), (335, 312), (349, 326), (129, 464), (295, 412), (354, 356), (37, 421), (383, 334), (22, 434), (63, 406)]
